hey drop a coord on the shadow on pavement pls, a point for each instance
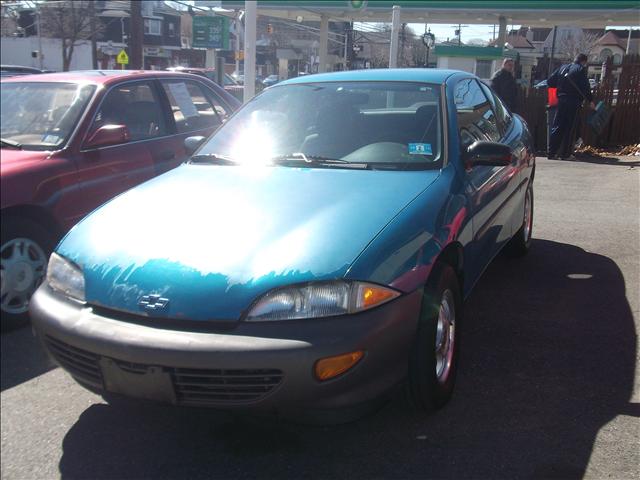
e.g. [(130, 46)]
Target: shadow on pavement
[(604, 160), (22, 358), (548, 359)]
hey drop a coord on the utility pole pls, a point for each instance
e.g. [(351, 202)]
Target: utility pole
[(136, 35), (40, 55), (459, 34), (402, 42), (553, 50), (94, 40)]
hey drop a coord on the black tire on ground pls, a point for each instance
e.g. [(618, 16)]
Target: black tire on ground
[(13, 228), (427, 392), (519, 245)]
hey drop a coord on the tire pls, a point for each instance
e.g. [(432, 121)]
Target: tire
[(24, 251), (519, 245), (432, 375)]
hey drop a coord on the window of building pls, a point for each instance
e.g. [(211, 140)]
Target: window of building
[(152, 26), (605, 53), (171, 29), (483, 68)]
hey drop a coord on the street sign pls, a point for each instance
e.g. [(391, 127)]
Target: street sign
[(211, 32), (122, 58)]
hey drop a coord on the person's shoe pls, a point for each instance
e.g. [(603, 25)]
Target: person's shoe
[(553, 157), (570, 158)]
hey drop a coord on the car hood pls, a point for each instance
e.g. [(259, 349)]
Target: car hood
[(13, 158), (211, 239)]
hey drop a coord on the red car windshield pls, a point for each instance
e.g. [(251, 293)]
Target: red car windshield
[(39, 115)]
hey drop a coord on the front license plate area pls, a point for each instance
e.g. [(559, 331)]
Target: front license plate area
[(139, 381)]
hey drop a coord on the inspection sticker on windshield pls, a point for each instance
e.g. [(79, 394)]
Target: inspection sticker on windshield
[(420, 149)]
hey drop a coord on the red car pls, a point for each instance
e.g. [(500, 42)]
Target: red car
[(229, 84), (72, 141)]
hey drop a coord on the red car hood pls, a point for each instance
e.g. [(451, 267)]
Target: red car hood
[(12, 159)]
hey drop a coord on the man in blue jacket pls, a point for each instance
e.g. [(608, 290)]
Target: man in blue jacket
[(573, 88)]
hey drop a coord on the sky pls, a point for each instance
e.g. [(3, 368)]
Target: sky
[(442, 31)]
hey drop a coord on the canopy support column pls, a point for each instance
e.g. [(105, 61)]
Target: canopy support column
[(324, 43), (395, 30), (250, 15)]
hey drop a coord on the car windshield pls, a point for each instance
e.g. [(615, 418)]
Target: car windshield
[(39, 115), (378, 125)]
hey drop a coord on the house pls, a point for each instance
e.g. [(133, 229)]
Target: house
[(522, 49), (481, 61), (161, 41), (162, 33), (613, 45)]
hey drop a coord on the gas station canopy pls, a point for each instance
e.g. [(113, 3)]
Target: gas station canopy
[(535, 13)]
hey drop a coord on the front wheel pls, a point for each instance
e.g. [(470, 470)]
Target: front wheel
[(24, 251), (521, 242), (434, 356)]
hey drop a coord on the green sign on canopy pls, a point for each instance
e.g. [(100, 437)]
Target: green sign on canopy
[(211, 32)]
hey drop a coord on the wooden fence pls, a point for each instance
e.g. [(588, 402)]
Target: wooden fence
[(624, 102)]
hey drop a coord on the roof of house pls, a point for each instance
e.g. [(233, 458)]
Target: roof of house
[(469, 51), (611, 38), (516, 41)]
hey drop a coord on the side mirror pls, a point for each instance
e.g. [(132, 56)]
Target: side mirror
[(490, 154), (109, 135), (191, 144)]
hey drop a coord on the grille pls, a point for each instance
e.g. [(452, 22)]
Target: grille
[(79, 363), (192, 386), (214, 387)]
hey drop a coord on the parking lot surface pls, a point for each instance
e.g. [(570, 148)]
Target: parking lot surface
[(547, 387)]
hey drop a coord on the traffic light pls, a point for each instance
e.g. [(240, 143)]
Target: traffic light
[(269, 28)]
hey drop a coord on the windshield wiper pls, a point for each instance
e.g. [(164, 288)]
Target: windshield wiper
[(213, 158), (10, 143), (314, 160)]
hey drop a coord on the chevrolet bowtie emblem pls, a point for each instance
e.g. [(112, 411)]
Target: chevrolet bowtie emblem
[(153, 303)]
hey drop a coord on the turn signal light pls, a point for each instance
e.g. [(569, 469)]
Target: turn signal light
[(330, 367), (372, 295)]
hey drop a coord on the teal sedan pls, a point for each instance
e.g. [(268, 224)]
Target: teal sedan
[(310, 256)]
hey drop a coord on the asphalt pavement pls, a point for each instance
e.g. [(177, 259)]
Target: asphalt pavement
[(545, 389)]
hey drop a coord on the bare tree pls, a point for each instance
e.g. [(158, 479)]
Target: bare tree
[(71, 21), (477, 42), (574, 43)]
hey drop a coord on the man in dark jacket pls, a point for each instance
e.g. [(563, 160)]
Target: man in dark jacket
[(573, 88), (504, 84)]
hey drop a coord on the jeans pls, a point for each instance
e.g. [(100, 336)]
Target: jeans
[(565, 118)]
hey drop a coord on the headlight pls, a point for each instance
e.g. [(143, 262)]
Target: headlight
[(319, 300), (64, 276)]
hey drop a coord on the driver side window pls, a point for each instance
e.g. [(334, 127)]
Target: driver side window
[(476, 119), (502, 113), (134, 105)]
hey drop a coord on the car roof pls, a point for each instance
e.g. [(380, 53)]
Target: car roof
[(99, 77), (19, 68), (423, 75)]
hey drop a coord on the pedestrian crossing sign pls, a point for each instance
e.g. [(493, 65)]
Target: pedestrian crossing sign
[(122, 58)]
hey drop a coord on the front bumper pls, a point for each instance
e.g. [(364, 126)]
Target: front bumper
[(263, 366)]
